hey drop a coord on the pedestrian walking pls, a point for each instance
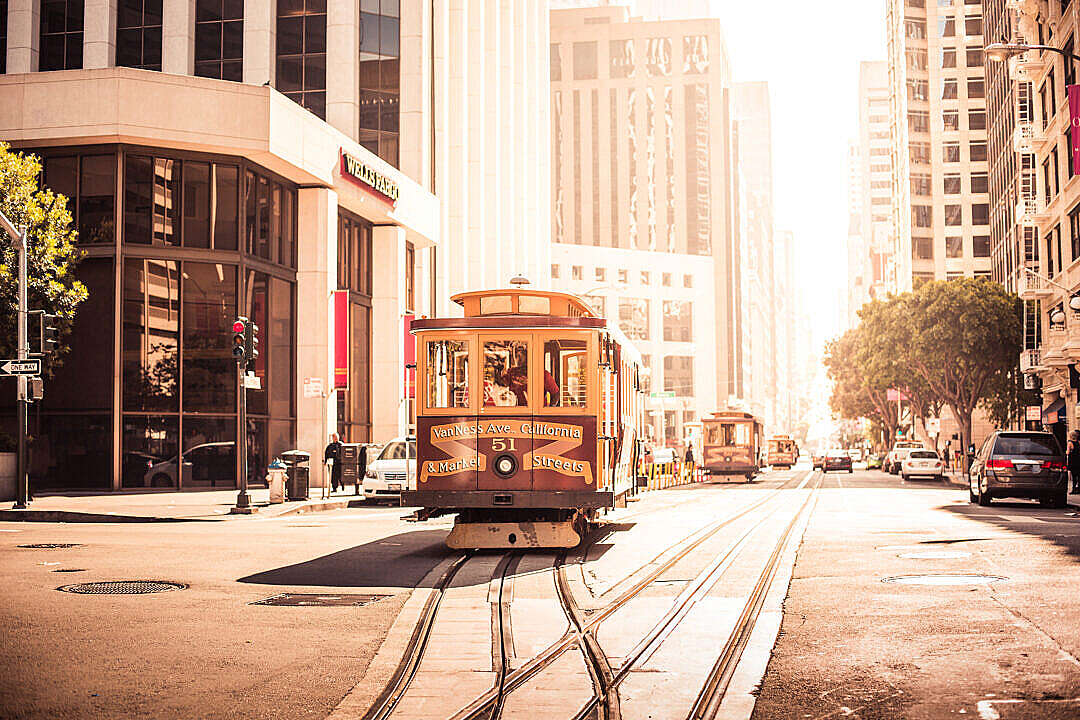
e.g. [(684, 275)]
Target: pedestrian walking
[(332, 457), (688, 462), (361, 468), (946, 454), (1073, 459)]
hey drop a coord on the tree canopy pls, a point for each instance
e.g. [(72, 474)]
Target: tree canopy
[(52, 254)]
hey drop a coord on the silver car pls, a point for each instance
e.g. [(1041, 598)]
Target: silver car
[(392, 471)]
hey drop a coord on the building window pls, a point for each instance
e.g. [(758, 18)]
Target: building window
[(977, 120), (922, 248), (954, 247), (624, 276), (585, 61), (950, 119), (980, 214), (679, 375), (948, 58), (695, 54), (918, 121), (916, 58), (688, 281), (354, 269), (621, 58), (665, 279), (946, 27), (915, 28), (90, 183), (948, 90), (61, 35), (951, 152), (554, 271), (138, 34), (980, 246), (634, 318), (973, 26), (678, 321), (380, 84), (556, 63), (219, 39), (918, 91), (919, 152), (954, 215), (979, 183), (974, 57), (576, 272), (922, 216), (976, 88), (600, 273), (3, 36), (301, 53), (952, 185), (977, 151), (644, 277), (920, 185)]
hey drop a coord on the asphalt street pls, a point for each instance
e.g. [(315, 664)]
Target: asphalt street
[(849, 644)]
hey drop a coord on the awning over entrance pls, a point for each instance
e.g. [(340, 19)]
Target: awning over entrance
[(1052, 413)]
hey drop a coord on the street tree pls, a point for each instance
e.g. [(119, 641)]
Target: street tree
[(854, 395), (965, 342), (52, 254)]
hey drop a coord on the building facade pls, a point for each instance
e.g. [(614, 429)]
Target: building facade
[(871, 270), (215, 169), (1037, 196), (642, 210), (940, 210)]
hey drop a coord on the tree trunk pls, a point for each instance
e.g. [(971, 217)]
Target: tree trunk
[(964, 418)]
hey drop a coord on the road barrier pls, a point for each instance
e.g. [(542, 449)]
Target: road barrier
[(661, 476)]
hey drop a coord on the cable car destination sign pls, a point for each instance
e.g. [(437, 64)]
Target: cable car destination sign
[(366, 175)]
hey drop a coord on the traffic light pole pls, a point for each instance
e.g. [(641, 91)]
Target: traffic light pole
[(243, 500), (19, 240)]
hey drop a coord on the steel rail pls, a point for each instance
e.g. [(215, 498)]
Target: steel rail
[(712, 693), (414, 652)]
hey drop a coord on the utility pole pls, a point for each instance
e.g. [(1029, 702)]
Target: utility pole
[(19, 241)]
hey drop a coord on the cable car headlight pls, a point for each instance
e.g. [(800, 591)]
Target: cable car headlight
[(505, 465)]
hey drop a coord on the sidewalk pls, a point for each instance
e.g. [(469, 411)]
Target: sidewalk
[(187, 506), (955, 478)]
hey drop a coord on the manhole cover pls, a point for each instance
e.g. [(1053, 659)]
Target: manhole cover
[(947, 579), (122, 587), (314, 600), (936, 555), (50, 546), (69, 570)]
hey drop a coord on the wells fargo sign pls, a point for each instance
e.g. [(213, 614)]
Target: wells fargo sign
[(458, 440), (365, 175)]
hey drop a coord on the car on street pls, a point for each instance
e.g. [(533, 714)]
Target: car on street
[(819, 461), (836, 460), (1019, 464), (896, 455), (921, 463), (873, 461), (392, 471)]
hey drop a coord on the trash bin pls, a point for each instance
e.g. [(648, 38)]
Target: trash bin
[(297, 467), (275, 480), (350, 465)]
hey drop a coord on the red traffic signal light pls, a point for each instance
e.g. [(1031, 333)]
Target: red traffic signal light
[(239, 349), (238, 327)]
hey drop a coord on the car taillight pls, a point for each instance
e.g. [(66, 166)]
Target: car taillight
[(1053, 465), (999, 464)]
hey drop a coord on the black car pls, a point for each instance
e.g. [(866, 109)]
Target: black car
[(837, 460), (1020, 465)]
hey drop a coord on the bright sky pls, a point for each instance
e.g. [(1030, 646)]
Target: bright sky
[(809, 52)]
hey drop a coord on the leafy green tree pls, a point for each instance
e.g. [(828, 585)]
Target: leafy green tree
[(965, 342), (855, 394), (52, 254)]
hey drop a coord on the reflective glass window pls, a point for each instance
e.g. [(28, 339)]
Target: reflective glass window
[(97, 199), (565, 373), (196, 204), (447, 374), (226, 206), (61, 38), (506, 373), (150, 335), (166, 220), (219, 39), (209, 452), (208, 311), (138, 34), (150, 444)]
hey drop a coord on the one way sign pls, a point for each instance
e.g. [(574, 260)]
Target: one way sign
[(20, 367)]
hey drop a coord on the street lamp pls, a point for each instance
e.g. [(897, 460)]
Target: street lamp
[(1000, 52)]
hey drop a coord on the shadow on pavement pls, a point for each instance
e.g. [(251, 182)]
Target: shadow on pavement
[(1059, 526), (398, 560)]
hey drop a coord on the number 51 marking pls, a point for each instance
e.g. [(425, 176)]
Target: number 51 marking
[(500, 444)]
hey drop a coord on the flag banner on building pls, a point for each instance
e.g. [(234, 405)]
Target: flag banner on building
[(1074, 123), (341, 339), (893, 395)]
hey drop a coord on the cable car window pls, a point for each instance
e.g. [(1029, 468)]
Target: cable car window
[(495, 305), (448, 374), (533, 305), (506, 373), (565, 363)]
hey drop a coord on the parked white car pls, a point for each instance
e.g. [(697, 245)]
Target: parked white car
[(921, 463), (391, 472)]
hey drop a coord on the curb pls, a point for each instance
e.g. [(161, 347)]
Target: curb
[(265, 511)]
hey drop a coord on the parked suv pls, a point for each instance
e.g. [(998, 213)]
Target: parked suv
[(1021, 465)]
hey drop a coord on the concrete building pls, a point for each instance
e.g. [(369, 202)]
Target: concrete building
[(642, 202), (1036, 196), (216, 168), (940, 209), (870, 239)]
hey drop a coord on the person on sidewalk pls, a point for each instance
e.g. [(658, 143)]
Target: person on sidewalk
[(332, 455), (1072, 459), (361, 469)]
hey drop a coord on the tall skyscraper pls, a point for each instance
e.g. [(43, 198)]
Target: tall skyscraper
[(642, 215), (940, 209)]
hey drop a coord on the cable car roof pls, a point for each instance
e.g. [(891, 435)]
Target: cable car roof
[(523, 301)]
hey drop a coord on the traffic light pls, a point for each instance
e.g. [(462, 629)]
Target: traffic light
[(251, 341), (239, 346), (50, 333)]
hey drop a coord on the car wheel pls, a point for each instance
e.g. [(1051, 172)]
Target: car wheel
[(972, 497), (850, 470), (985, 499)]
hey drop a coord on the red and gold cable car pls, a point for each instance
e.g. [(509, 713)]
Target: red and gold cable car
[(529, 418), (732, 444)]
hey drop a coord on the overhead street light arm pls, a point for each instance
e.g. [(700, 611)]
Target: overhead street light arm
[(1004, 51)]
